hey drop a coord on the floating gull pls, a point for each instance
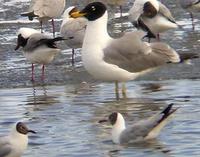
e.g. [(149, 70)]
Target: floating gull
[(16, 142), (142, 130), (37, 47), (73, 29), (192, 6), (45, 10), (121, 59), (151, 16)]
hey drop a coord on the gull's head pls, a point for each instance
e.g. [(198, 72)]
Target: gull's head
[(114, 118), (148, 8), (23, 35), (21, 128), (68, 12), (92, 11)]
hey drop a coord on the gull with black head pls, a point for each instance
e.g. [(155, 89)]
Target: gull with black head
[(151, 16), (121, 59), (37, 47), (14, 144), (140, 131)]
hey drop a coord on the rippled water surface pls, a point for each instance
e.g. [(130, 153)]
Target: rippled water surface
[(64, 109)]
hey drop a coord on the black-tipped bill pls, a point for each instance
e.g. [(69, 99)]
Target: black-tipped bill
[(31, 131)]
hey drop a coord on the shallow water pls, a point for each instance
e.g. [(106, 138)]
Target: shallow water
[(65, 111)]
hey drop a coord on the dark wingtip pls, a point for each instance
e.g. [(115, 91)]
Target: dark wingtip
[(167, 109)]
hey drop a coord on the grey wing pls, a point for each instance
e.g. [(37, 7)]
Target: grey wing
[(139, 130), (72, 28), (33, 41), (134, 55), (166, 12), (52, 8)]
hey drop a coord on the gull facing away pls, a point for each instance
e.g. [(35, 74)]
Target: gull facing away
[(45, 10), (121, 59), (192, 6), (151, 16), (14, 144), (140, 131), (37, 47), (73, 29)]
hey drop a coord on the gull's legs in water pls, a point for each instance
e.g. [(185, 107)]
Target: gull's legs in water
[(192, 18), (32, 78), (120, 7), (124, 90), (117, 90), (53, 26), (73, 57), (41, 28), (42, 73)]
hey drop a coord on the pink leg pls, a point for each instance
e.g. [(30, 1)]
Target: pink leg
[(73, 57), (53, 26), (32, 78), (42, 73), (192, 18)]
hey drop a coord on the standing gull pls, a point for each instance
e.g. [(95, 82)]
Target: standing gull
[(142, 130), (73, 29), (121, 59), (45, 10), (192, 6), (16, 142), (151, 16), (37, 47)]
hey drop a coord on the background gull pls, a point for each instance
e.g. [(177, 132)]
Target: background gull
[(37, 47), (16, 142), (142, 130), (73, 30), (191, 6), (45, 10), (121, 59), (151, 16)]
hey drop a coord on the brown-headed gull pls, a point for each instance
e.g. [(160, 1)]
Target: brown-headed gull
[(37, 47), (140, 131), (151, 16), (14, 144)]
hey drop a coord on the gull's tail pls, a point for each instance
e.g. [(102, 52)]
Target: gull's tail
[(165, 115)]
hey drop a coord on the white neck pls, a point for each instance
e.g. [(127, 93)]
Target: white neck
[(117, 129), (96, 31), (19, 140)]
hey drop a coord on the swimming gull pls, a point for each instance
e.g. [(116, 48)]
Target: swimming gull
[(37, 47), (140, 131), (14, 144), (121, 59)]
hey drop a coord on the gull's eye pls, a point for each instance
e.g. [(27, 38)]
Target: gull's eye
[(93, 8)]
